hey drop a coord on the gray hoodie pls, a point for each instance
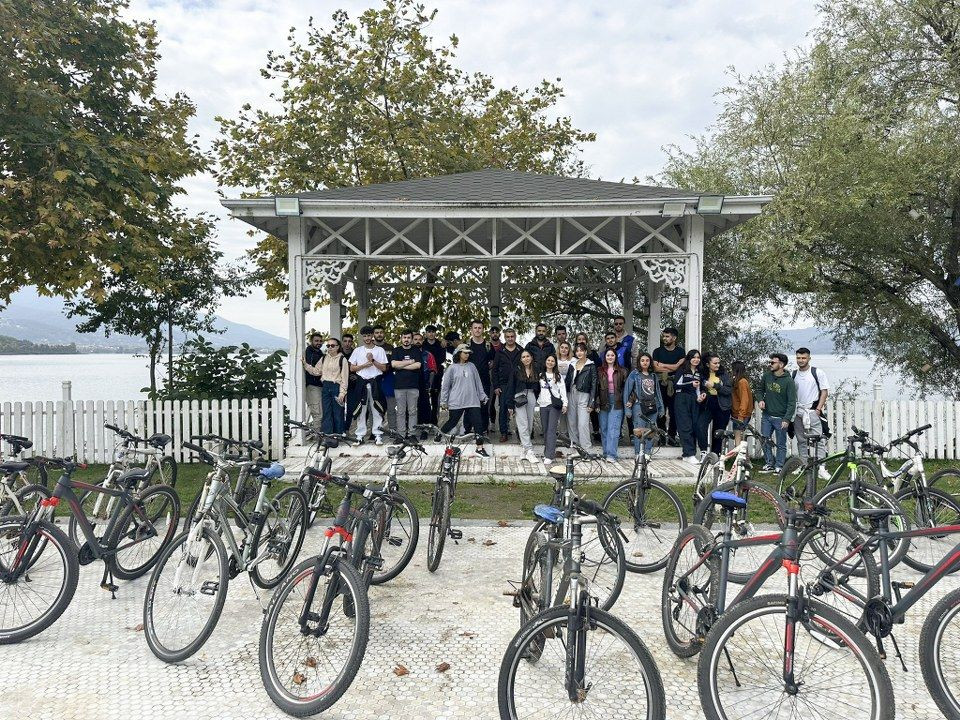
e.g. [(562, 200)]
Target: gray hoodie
[(461, 387)]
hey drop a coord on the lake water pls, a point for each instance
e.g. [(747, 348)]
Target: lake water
[(121, 377)]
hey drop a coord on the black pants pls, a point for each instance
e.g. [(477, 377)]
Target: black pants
[(710, 412), (668, 422), (471, 421), (424, 411), (485, 409), (435, 398)]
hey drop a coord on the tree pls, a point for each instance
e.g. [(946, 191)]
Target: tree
[(90, 157), (859, 139), (375, 100), (207, 372), (177, 285)]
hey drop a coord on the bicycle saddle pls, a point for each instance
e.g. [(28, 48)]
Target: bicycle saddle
[(12, 466), (872, 512), (158, 440), (550, 513), (728, 499), (276, 470), (131, 477)]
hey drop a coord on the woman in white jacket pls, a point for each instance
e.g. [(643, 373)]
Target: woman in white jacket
[(552, 402)]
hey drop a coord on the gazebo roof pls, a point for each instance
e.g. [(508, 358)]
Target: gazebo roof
[(497, 187)]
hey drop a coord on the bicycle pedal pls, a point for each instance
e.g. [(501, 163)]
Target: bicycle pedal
[(455, 534), (375, 563), (209, 587), (394, 542), (904, 584)]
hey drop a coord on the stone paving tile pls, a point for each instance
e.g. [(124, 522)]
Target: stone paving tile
[(94, 663)]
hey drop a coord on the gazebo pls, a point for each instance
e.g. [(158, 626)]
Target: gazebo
[(491, 218)]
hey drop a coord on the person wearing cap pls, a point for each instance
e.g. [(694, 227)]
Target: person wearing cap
[(462, 393)]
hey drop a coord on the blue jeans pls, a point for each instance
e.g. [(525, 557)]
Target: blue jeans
[(773, 425), (642, 421), (610, 422), (334, 420)]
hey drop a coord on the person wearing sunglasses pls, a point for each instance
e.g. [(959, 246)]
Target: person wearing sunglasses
[(333, 372)]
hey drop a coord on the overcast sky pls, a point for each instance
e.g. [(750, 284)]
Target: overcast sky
[(642, 75)]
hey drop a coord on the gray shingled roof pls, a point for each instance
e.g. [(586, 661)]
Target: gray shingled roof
[(497, 186)]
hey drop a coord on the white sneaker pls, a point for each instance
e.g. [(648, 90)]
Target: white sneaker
[(691, 460), (823, 473), (379, 440)]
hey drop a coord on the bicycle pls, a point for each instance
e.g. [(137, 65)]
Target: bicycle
[(712, 469), (771, 654), (159, 468), (695, 581), (20, 500), (37, 557), (763, 508), (648, 508), (925, 505), (36, 472), (313, 637), (547, 555), (401, 522), (194, 572), (604, 668), (318, 458), (246, 458), (798, 483), (444, 491)]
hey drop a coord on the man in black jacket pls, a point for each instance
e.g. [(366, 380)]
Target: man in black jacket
[(540, 347), (435, 347), (481, 355), (504, 362)]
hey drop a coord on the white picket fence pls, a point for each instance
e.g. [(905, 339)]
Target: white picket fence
[(76, 427)]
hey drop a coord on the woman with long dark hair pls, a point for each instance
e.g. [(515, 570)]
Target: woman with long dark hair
[(522, 392), (715, 412), (583, 397), (611, 378), (689, 398), (642, 400), (741, 399), (552, 401)]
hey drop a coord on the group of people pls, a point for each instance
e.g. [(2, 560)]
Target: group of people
[(487, 380)]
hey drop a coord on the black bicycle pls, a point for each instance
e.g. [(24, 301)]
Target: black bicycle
[(40, 567), (575, 659), (315, 629), (444, 491)]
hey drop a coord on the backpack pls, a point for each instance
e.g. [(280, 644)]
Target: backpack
[(648, 400), (824, 423)]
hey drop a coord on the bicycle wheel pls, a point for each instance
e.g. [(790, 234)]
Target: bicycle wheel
[(36, 474), (845, 587), (940, 653), (400, 538), (27, 498), (165, 473), (280, 536), (936, 509), (144, 529), (708, 476), (602, 563), (946, 480), (31, 600), (837, 672), (185, 594), (839, 499), (793, 479), (690, 585), (439, 523), (651, 516), (305, 673), (620, 677), (97, 507), (765, 514), (535, 593), (316, 493)]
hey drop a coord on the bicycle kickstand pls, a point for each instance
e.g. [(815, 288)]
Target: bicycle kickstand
[(106, 582)]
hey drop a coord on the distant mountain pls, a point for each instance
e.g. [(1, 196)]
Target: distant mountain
[(44, 320), (815, 338)]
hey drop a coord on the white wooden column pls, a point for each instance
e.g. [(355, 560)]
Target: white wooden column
[(693, 234), (628, 274), (335, 309), (296, 248), (362, 287), (495, 299), (654, 293)]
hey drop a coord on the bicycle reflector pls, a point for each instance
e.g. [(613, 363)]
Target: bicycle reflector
[(448, 452)]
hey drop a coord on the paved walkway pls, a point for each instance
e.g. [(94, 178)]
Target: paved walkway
[(94, 663)]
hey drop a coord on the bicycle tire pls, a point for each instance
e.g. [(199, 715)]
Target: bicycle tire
[(764, 506), (309, 484), (658, 557), (947, 476), (824, 620), (923, 553), (536, 563), (36, 469), (707, 476), (876, 495), (945, 692), (554, 623), (348, 581), (792, 483), (296, 526), (159, 647), (98, 517), (168, 477), (11, 533), (127, 518), (397, 505), (27, 496), (672, 598), (439, 524)]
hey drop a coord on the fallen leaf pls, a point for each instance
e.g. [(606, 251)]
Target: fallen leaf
[(489, 542), (138, 627), (503, 523), (400, 671), (471, 539), (468, 634), (311, 662), (443, 667), (299, 678)]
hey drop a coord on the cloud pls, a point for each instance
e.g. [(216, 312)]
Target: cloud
[(642, 75)]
